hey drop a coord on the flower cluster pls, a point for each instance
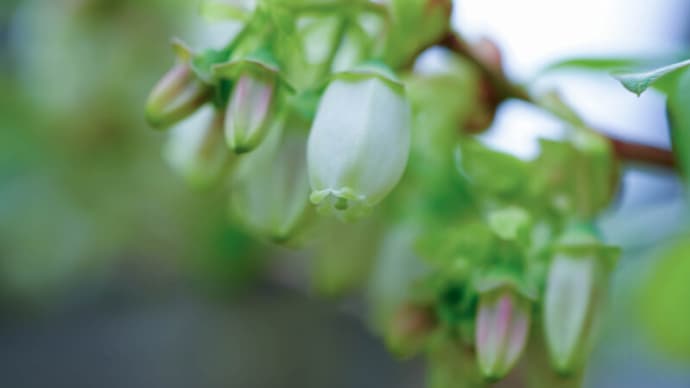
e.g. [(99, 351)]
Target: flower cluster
[(314, 105), (279, 70)]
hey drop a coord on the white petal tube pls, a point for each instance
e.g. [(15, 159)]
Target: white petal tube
[(270, 188), (358, 146)]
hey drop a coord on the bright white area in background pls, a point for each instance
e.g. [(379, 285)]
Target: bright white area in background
[(534, 33)]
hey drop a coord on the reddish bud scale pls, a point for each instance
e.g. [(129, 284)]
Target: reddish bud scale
[(409, 329)]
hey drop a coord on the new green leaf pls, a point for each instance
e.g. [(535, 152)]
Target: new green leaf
[(639, 82)]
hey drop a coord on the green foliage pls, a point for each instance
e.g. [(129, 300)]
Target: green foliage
[(639, 82), (491, 173), (679, 118), (663, 300)]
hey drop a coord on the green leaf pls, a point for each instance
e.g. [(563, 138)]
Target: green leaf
[(622, 66), (611, 64), (414, 25), (663, 301), (678, 110), (574, 177), (594, 64), (639, 82)]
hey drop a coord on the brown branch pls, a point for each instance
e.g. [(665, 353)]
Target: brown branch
[(503, 89), (643, 153)]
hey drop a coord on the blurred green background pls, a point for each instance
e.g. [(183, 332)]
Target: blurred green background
[(114, 274)]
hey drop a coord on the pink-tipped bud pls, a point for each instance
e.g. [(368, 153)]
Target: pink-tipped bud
[(176, 96), (249, 112), (502, 327)]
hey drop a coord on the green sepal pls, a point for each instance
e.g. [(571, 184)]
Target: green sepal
[(503, 276), (203, 63), (261, 63), (581, 239), (221, 94), (305, 103), (511, 223), (182, 50), (373, 70)]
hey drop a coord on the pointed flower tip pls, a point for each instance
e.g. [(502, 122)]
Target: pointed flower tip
[(503, 321)]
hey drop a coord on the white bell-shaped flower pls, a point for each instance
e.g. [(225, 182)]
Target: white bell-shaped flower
[(196, 148), (359, 142), (270, 187)]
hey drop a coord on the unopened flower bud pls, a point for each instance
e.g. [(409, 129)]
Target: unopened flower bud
[(270, 188), (571, 304), (250, 111), (177, 95), (575, 289), (359, 143), (502, 327), (489, 53), (196, 149)]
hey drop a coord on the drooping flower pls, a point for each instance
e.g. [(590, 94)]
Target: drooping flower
[(270, 187), (502, 327), (570, 305), (359, 142), (575, 290), (178, 94), (196, 149)]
